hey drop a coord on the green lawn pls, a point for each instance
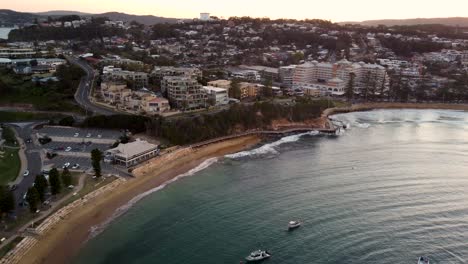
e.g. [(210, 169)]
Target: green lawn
[(10, 165)]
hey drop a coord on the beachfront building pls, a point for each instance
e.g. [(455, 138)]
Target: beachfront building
[(332, 78), (139, 79), (16, 52), (132, 153), (159, 72), (184, 92), (217, 96)]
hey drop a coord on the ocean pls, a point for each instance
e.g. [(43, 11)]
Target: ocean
[(4, 32), (391, 188)]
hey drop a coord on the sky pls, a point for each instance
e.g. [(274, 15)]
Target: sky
[(334, 10)]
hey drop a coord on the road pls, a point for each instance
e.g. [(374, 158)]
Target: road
[(34, 162), (84, 89)]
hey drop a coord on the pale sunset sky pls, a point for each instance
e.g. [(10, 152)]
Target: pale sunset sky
[(335, 10)]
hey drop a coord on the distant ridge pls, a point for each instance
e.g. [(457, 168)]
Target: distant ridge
[(449, 21), (146, 20), (11, 17), (62, 13)]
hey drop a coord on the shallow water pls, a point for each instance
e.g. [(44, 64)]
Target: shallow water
[(393, 187)]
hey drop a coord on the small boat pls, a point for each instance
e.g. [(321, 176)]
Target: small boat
[(258, 255), (293, 225), (423, 260)]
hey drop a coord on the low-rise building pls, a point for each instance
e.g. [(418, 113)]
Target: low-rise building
[(217, 96), (132, 153), (139, 79)]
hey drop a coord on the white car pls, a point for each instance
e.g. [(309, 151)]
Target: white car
[(88, 135), (25, 173), (99, 136), (71, 186), (68, 149), (76, 135), (76, 166), (66, 165)]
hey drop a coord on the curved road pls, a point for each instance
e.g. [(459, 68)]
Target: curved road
[(84, 89)]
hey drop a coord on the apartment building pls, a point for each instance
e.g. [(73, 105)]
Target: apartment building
[(184, 92), (159, 72), (141, 101), (226, 84), (332, 78), (111, 73), (16, 53), (217, 96), (286, 75)]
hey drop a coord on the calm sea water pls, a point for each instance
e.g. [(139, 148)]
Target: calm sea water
[(393, 187), (4, 32)]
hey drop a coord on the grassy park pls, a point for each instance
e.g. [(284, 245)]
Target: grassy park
[(9, 165)]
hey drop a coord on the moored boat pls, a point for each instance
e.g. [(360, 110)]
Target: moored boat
[(423, 260), (293, 225), (258, 255)]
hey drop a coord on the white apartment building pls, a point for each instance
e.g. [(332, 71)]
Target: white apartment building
[(217, 95), (16, 53), (159, 72), (332, 78), (286, 75), (184, 92), (111, 73)]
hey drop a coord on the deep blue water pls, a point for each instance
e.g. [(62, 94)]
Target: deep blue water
[(393, 187)]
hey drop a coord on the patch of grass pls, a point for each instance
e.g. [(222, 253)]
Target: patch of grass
[(10, 165), (10, 246)]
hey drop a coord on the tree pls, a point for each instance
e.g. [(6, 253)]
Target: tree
[(267, 88), (66, 177), (33, 199), (96, 157), (350, 87), (234, 89), (41, 186), (7, 200), (54, 181), (67, 121)]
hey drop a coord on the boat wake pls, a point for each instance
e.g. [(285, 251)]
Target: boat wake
[(96, 230), (269, 148)]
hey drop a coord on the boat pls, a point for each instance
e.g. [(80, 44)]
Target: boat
[(293, 225), (423, 260), (258, 255)]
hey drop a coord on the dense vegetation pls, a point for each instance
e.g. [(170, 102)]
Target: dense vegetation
[(238, 118), (136, 124), (52, 96), (83, 33), (406, 48)]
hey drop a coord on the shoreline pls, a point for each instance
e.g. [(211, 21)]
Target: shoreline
[(386, 105), (75, 229)]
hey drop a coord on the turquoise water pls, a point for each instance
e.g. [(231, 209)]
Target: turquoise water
[(393, 187)]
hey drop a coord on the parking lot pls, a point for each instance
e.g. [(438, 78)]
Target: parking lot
[(75, 147), (85, 133), (84, 162)]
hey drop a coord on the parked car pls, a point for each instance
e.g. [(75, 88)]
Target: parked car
[(76, 166), (68, 149), (13, 187), (66, 165), (88, 135), (25, 173), (99, 136), (76, 135)]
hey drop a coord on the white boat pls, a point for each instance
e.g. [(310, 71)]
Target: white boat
[(423, 260), (293, 225), (258, 255)]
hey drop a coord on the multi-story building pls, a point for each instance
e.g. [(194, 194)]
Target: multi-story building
[(217, 96), (332, 78), (16, 53), (184, 92), (286, 75), (139, 79), (226, 84), (159, 72)]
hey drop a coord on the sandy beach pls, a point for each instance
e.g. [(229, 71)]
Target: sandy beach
[(60, 245)]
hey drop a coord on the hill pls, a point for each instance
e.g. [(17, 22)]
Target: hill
[(146, 20), (62, 13), (448, 21), (11, 18)]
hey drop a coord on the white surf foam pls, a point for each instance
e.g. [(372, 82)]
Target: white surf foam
[(96, 230), (269, 148)]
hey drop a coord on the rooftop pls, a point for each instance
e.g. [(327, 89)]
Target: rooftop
[(132, 149)]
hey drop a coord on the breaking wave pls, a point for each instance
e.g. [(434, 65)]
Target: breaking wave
[(270, 148), (96, 230)]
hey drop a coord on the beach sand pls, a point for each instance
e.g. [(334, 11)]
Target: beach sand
[(66, 239), (393, 105)]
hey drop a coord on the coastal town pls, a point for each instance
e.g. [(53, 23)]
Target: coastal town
[(93, 106)]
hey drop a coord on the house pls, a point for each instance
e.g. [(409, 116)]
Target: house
[(132, 153)]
